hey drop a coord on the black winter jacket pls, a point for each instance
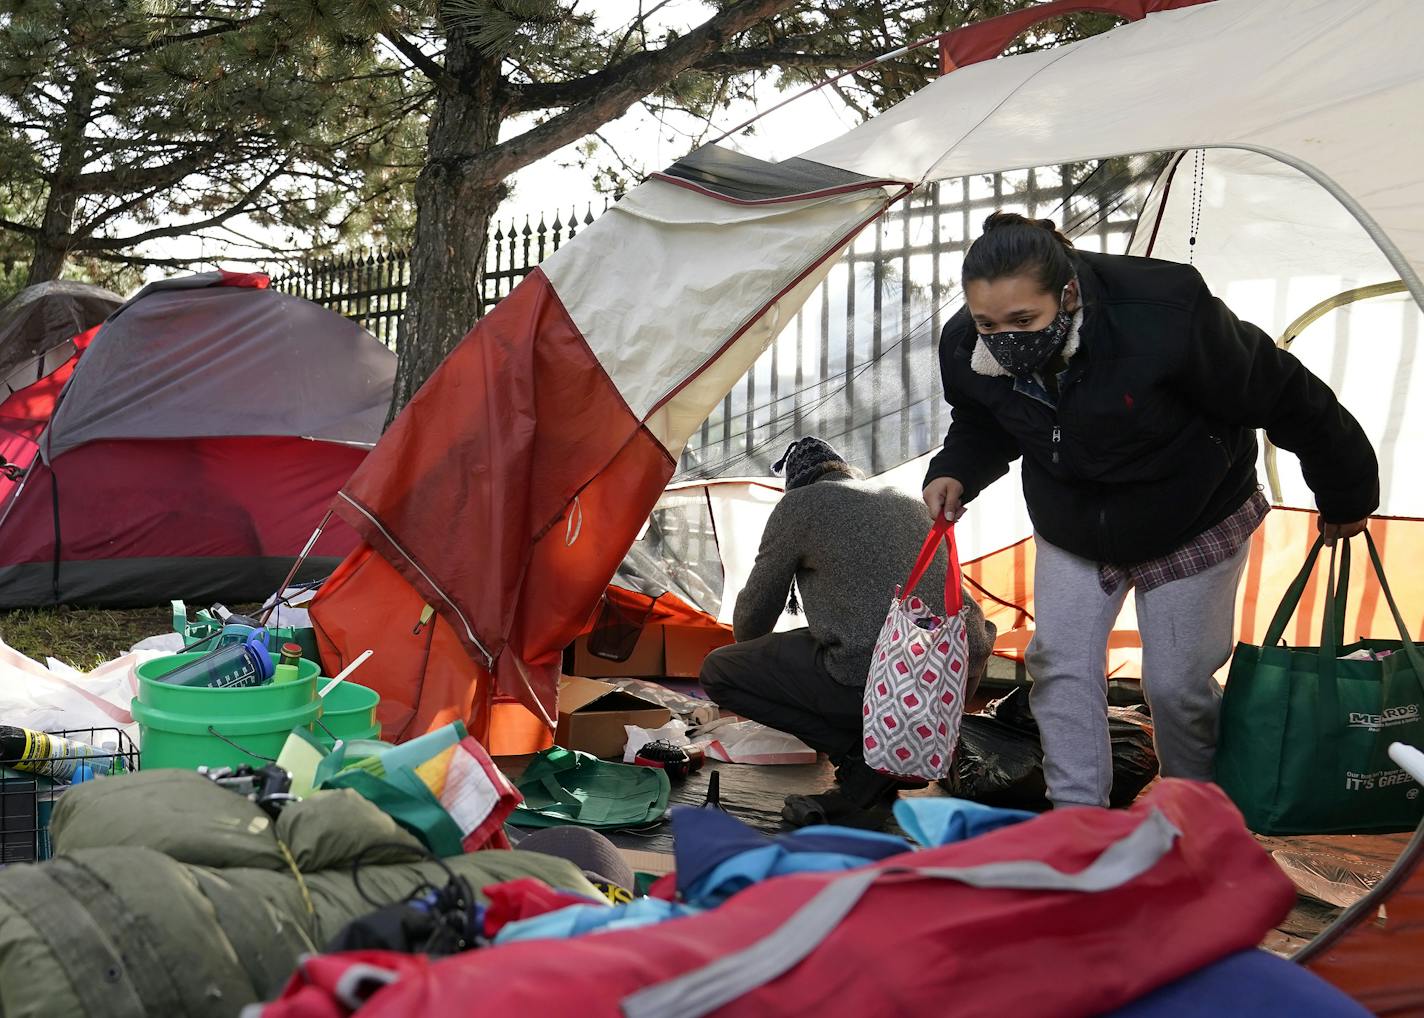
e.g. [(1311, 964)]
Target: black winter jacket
[(1153, 440)]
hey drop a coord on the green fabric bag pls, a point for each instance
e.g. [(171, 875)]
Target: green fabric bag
[(1305, 736), (403, 796), (564, 786)]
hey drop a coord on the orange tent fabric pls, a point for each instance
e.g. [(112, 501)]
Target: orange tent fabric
[(422, 671), (519, 446), (1003, 582)]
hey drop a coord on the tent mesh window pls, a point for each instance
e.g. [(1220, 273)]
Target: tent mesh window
[(677, 554)]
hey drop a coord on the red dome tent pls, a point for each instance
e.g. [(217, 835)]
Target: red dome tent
[(186, 448)]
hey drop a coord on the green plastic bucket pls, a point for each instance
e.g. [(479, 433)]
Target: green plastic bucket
[(349, 712), (188, 727)]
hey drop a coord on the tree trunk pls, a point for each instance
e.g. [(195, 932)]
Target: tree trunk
[(48, 260), (52, 243), (455, 205)]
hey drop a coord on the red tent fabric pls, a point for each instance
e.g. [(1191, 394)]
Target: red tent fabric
[(911, 945), (515, 465), (212, 420), (985, 40), (510, 488)]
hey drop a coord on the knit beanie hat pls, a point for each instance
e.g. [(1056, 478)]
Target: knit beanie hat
[(805, 461), (591, 852)]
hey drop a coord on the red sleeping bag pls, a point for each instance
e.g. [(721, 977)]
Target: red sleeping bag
[(1076, 912)]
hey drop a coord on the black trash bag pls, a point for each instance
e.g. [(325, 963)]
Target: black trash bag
[(999, 760)]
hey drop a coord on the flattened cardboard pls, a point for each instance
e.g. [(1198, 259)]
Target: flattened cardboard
[(592, 716)]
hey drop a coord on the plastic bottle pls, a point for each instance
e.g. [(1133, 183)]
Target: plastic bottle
[(234, 667), (288, 669), (109, 753), (52, 756)]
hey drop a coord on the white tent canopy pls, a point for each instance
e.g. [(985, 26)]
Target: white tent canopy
[(1333, 89)]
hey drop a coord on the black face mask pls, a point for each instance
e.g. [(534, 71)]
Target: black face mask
[(1022, 354)]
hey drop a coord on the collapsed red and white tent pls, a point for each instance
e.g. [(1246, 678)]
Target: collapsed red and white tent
[(503, 499)]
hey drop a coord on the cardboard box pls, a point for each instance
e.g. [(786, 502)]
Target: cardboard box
[(646, 661), (685, 647), (592, 715)]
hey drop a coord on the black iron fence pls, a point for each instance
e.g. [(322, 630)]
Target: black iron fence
[(369, 286), (857, 364)]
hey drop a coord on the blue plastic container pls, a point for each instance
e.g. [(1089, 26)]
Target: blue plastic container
[(236, 666)]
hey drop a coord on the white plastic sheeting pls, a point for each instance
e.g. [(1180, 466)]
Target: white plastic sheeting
[(59, 698)]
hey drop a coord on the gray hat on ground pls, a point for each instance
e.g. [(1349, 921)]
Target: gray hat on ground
[(590, 851)]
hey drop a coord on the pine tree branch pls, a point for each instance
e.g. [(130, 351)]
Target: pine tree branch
[(102, 216), (21, 228), (223, 27), (128, 259), (635, 78), (244, 204), (756, 60), (638, 25), (567, 93), (125, 179), (428, 65)]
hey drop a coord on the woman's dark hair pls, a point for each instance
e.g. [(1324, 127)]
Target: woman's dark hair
[(1014, 245)]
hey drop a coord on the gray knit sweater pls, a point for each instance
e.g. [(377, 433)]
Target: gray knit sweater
[(848, 544)]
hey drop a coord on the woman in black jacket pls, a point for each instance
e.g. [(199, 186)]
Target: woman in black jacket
[(1133, 396)]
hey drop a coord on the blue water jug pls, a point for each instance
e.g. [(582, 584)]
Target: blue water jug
[(232, 667)]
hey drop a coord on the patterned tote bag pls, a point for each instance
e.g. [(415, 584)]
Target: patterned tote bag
[(914, 697)]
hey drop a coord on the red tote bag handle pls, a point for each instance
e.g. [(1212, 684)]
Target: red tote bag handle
[(943, 530)]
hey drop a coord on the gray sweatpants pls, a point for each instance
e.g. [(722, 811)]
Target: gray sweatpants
[(1188, 630)]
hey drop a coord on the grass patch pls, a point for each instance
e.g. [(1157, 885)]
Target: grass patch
[(84, 638)]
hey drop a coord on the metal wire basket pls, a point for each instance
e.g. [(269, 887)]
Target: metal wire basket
[(27, 797)]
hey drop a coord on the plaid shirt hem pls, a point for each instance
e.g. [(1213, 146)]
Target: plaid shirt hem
[(1207, 549)]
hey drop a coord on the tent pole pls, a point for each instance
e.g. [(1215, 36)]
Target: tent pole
[(301, 558), (1293, 331)]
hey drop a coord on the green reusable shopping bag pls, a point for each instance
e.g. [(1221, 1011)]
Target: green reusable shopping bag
[(564, 786), (1305, 736), (402, 796)]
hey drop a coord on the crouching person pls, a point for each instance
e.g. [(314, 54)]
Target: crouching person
[(846, 545)]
